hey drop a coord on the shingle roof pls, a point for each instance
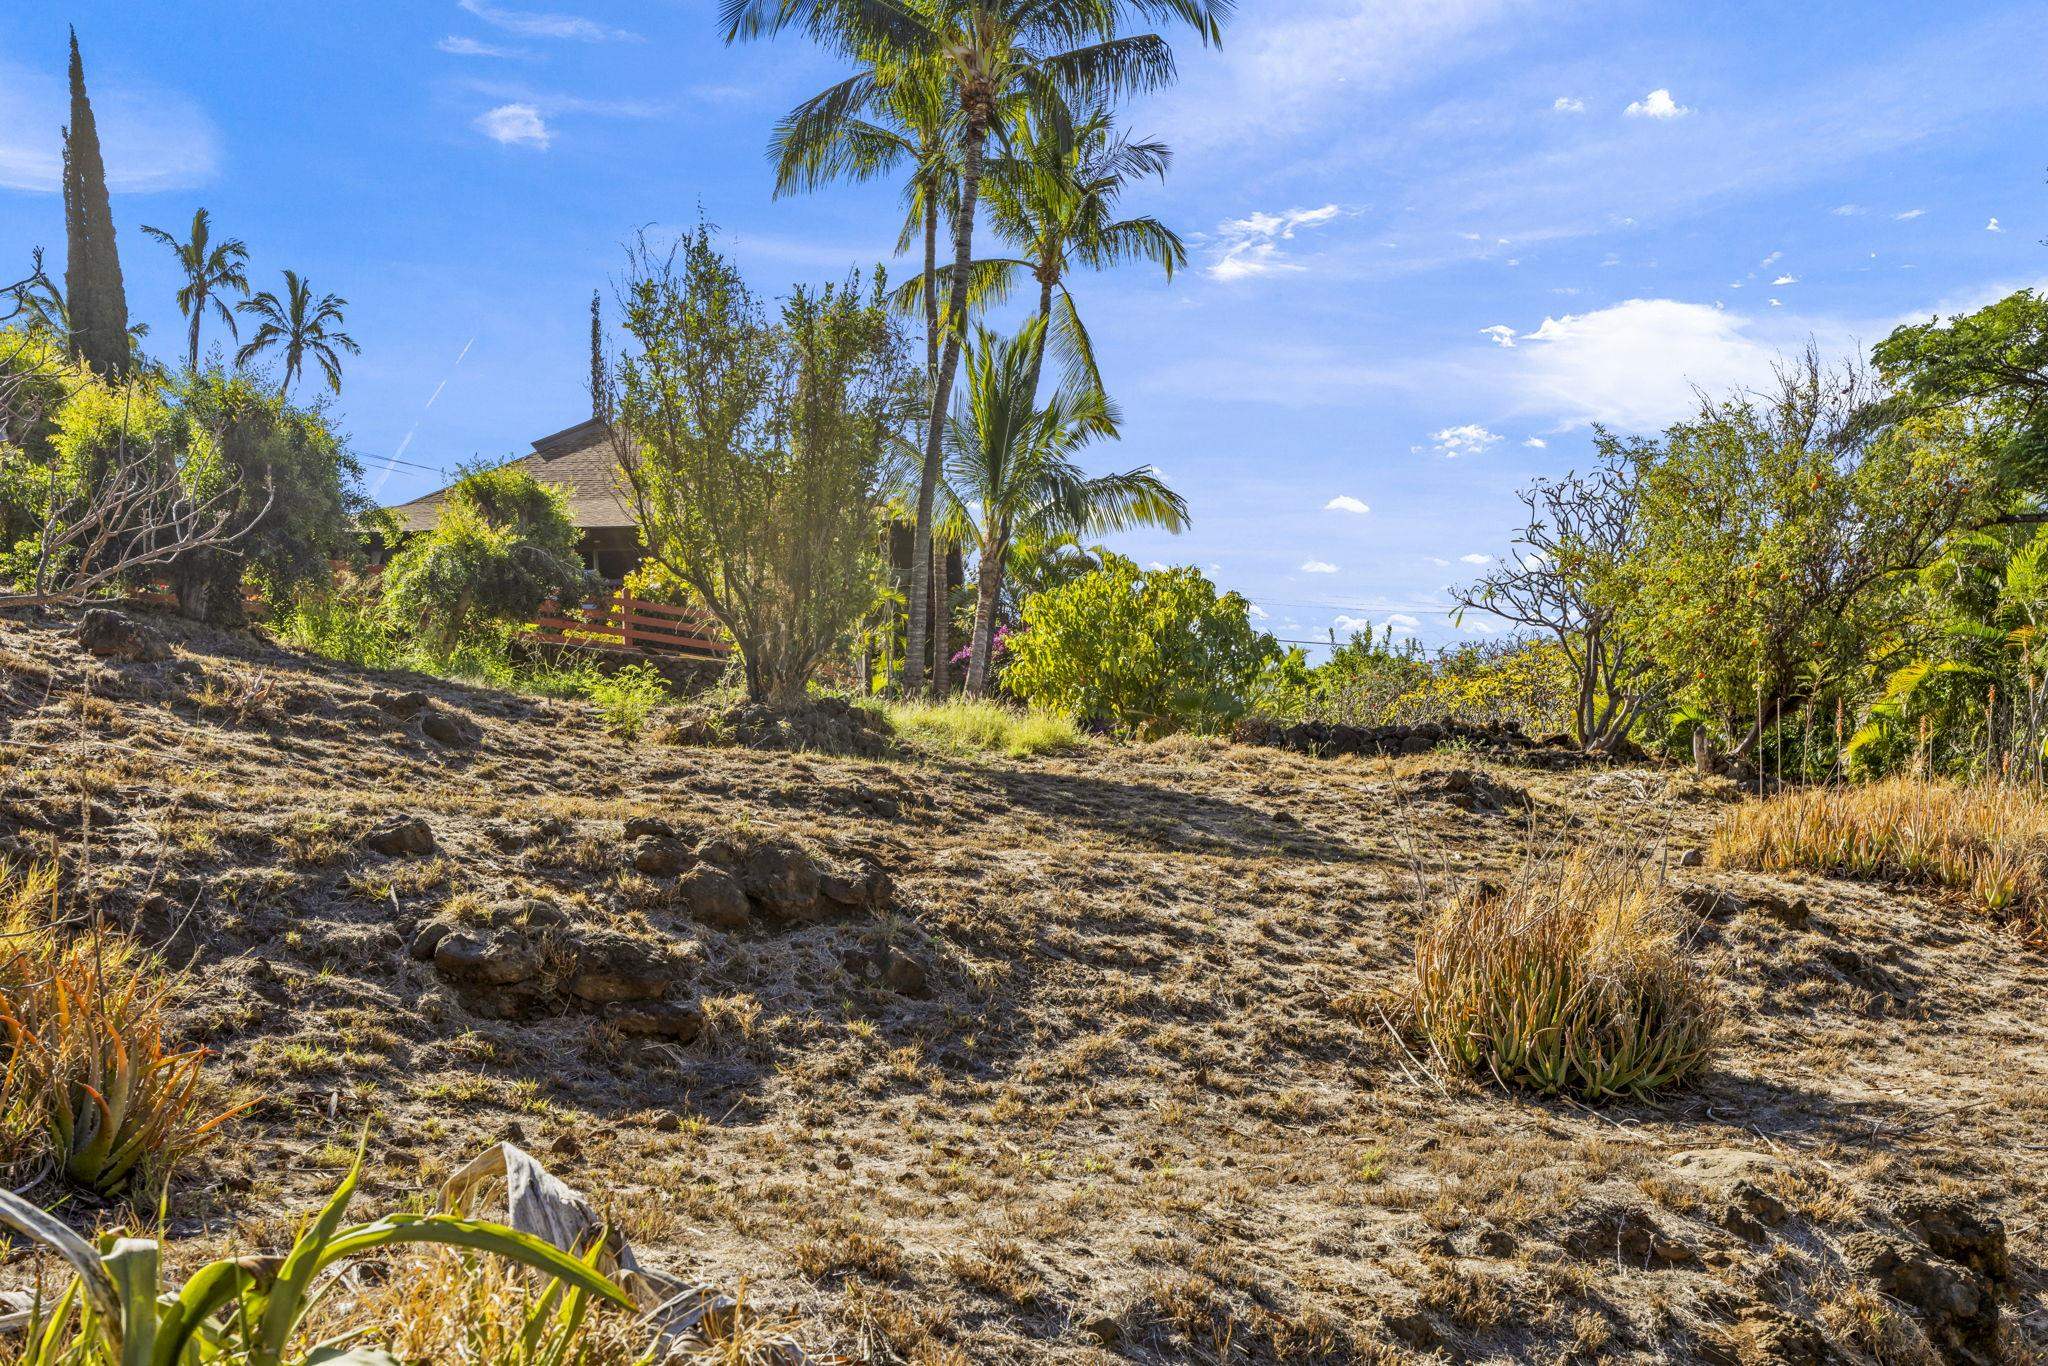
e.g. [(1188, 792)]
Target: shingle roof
[(578, 458)]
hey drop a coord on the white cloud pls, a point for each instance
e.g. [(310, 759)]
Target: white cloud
[(1401, 623), (1846, 210), (1634, 365), (1771, 260), (1786, 280), (1350, 624), (1658, 104), (1777, 303), (1536, 443), (151, 138), (515, 125), (1344, 502), (533, 24), (1502, 334), (1439, 561), (457, 46), (1258, 612), (1318, 567), (1992, 226), (1156, 566), (1908, 214), (1250, 246), (1469, 439), (1565, 104), (1476, 558)]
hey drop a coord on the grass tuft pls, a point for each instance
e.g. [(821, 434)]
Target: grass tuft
[(1571, 981), (1988, 841), (964, 727)]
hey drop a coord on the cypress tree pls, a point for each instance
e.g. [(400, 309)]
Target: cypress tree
[(97, 304), (596, 358)]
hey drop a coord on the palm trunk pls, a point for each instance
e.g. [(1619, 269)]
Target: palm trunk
[(942, 681), (1044, 323), (988, 588), (942, 393), (193, 362)]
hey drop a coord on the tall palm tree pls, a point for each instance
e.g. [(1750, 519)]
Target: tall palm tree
[(990, 54), (301, 327), (1010, 469), (211, 269)]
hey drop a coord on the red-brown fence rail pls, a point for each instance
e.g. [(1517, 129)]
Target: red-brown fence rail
[(620, 621)]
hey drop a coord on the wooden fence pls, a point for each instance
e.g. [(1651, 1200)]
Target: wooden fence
[(621, 622)]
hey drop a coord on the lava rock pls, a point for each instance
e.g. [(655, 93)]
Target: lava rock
[(660, 857), (715, 898), (399, 706), (611, 968), (905, 974), (649, 828), (783, 880), (866, 889), (447, 728), (401, 837), (657, 1020), (491, 960), (429, 939), (1958, 1310), (107, 634)]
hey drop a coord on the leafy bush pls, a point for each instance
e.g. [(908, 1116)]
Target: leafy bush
[(1155, 652), (1572, 980), (252, 1310), (503, 545), (344, 620), (984, 727), (625, 697), (1986, 840)]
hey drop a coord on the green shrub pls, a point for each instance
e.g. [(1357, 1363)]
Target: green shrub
[(625, 697), (1572, 980), (984, 727), (343, 620), (1153, 652)]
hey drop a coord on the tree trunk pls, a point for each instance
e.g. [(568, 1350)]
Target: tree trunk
[(942, 682), (989, 585), (193, 351), (1044, 324), (949, 360)]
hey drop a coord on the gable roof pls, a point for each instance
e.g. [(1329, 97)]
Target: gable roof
[(577, 458)]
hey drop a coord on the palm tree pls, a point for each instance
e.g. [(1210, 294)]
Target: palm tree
[(1010, 470), (1058, 205), (990, 55), (302, 327), (210, 269)]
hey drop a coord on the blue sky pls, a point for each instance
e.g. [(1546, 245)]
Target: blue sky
[(1433, 240)]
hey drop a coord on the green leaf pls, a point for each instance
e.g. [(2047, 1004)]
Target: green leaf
[(133, 1265), (478, 1236), (93, 1277)]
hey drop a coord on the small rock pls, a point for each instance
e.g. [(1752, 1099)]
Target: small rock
[(714, 897), (660, 857), (400, 706), (401, 836), (719, 850), (783, 879), (1104, 1329), (657, 1020), (868, 889), (905, 974), (1692, 858), (447, 728), (611, 968), (649, 828), (429, 939), (1495, 1242), (1793, 912), (107, 634), (494, 961)]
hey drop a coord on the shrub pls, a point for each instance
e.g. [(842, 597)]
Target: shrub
[(1570, 981), (1154, 652), (984, 727), (343, 620), (1985, 840), (625, 697)]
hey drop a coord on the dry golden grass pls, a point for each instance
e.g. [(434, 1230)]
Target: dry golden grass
[(1571, 980), (1989, 841)]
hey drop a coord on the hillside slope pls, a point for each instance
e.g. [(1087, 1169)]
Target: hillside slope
[(1087, 1057)]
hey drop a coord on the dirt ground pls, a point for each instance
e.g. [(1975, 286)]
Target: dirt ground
[(1107, 1066)]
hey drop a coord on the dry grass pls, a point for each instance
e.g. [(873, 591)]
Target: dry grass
[(1989, 841), (1570, 980), (964, 727)]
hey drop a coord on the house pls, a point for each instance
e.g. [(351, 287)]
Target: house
[(580, 460)]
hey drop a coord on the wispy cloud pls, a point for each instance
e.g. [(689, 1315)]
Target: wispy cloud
[(538, 24), (515, 125), (1250, 246), (1318, 567), (456, 45), (1566, 104), (152, 138), (1502, 334), (1344, 502), (1908, 215), (1476, 558), (1658, 104)]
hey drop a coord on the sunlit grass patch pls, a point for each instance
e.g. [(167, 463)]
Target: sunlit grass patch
[(965, 727), (1988, 840)]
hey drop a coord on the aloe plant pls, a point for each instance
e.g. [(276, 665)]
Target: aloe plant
[(250, 1311)]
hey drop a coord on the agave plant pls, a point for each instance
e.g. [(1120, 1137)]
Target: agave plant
[(251, 1310)]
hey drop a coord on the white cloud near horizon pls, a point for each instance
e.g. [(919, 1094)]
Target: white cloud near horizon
[(151, 138), (1658, 104), (1344, 502), (536, 24), (1637, 365), (515, 125)]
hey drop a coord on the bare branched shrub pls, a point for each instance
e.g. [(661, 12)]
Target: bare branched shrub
[(1989, 840), (1572, 981)]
